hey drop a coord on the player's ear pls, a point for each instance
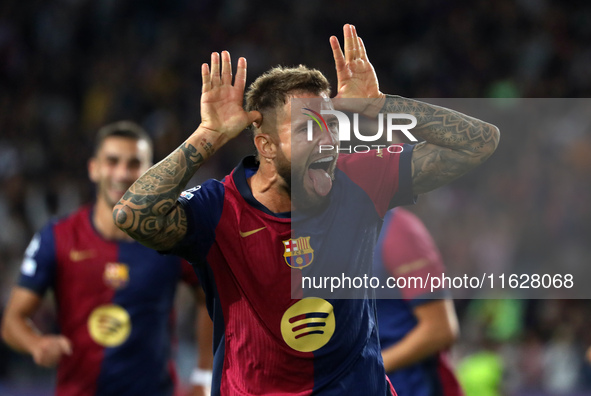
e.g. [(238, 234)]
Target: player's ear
[(265, 145), (93, 174)]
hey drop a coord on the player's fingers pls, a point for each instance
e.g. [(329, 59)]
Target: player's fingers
[(240, 80), (206, 78), (226, 68), (355, 40), (349, 45), (255, 117), (37, 358), (362, 51), (337, 53), (45, 361), (215, 69), (65, 345)]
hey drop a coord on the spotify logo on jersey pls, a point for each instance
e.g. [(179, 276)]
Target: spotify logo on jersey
[(109, 325), (308, 324)]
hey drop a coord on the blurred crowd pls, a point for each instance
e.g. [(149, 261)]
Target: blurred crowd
[(69, 66)]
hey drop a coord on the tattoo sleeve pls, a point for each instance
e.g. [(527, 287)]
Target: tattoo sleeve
[(454, 143), (149, 211)]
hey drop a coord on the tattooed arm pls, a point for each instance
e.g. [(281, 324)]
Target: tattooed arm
[(454, 142), (149, 211)]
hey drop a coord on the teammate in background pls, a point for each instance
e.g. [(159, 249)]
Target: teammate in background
[(114, 296), (237, 232), (416, 326)]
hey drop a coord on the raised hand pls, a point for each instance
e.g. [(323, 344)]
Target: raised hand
[(356, 76), (221, 101)]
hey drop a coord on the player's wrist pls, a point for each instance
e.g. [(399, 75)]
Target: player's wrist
[(374, 105), (201, 377), (207, 137)]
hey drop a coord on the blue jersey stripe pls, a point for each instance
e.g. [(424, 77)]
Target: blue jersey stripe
[(141, 365)]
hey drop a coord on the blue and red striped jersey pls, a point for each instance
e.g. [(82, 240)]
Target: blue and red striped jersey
[(266, 340), (115, 304), (406, 249)]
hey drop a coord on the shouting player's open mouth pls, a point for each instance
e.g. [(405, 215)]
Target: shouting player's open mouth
[(321, 172)]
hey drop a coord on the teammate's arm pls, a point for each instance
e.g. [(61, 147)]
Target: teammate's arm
[(454, 142), (436, 330), (148, 211), (19, 332)]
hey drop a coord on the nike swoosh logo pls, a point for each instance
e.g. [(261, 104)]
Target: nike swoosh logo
[(79, 255), (248, 233)]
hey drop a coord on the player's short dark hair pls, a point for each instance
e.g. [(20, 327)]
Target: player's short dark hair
[(126, 129), (273, 88)]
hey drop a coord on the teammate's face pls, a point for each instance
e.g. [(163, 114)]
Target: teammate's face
[(119, 162), (307, 171)]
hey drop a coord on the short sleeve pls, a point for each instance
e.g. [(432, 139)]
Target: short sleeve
[(38, 268), (384, 174), (203, 207)]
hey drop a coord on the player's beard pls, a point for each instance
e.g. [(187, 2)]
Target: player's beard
[(300, 197)]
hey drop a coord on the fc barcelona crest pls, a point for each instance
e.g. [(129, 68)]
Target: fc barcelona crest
[(116, 275), (298, 252)]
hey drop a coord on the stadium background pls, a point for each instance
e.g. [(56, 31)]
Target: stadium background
[(69, 66)]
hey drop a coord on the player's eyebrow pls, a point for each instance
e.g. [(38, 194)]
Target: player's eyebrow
[(111, 157), (297, 124), (330, 118)]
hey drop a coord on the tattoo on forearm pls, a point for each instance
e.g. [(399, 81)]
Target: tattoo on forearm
[(207, 147), (149, 211), (454, 142)]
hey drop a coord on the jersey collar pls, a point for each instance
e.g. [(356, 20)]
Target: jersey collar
[(248, 167)]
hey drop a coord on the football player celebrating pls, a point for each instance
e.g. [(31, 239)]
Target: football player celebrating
[(238, 232), (114, 296)]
